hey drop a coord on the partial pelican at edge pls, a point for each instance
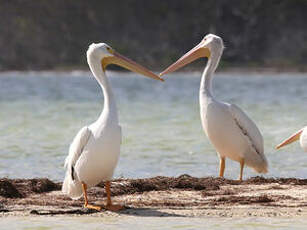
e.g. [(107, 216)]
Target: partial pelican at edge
[(301, 135)]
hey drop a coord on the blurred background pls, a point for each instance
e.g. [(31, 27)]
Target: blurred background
[(41, 111), (55, 34)]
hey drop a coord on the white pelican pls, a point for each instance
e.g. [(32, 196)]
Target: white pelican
[(301, 134), (231, 131), (94, 152)]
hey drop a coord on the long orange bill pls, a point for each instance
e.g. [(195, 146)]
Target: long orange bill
[(195, 53), (125, 62), (291, 139)]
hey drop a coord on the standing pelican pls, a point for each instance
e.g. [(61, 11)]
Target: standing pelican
[(94, 152), (231, 131), (301, 134)]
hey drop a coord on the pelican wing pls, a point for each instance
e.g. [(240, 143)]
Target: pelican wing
[(77, 146), (248, 128)]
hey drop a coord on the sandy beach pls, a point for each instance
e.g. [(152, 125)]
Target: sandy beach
[(183, 196)]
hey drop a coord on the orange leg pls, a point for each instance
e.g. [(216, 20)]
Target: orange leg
[(241, 169), (222, 166), (110, 206), (86, 205)]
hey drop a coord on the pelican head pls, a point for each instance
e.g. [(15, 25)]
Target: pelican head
[(210, 44), (106, 55), (299, 135)]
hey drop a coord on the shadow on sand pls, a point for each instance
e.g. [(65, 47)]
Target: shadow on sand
[(144, 212)]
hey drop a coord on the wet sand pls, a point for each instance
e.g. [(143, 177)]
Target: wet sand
[(183, 196)]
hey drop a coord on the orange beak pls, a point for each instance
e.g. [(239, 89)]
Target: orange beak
[(125, 62), (195, 53), (291, 139)]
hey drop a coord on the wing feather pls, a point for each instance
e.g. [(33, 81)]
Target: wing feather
[(77, 146), (248, 128)]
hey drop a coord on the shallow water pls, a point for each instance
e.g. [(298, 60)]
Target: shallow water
[(42, 111)]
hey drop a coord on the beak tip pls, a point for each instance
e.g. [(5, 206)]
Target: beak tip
[(162, 73)]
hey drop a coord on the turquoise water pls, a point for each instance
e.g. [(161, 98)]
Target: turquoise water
[(40, 113)]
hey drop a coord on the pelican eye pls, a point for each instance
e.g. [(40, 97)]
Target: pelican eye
[(110, 50)]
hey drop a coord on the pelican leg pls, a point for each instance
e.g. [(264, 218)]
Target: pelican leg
[(110, 206), (222, 166), (86, 205), (241, 169)]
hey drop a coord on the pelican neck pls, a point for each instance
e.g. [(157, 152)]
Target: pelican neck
[(109, 111), (207, 76)]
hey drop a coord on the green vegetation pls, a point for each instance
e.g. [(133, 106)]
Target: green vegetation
[(55, 34)]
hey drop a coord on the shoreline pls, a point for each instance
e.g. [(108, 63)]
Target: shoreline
[(235, 69), (182, 196)]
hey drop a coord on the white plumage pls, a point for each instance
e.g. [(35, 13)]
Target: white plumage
[(303, 139), (94, 152), (230, 130), (71, 186), (233, 134), (93, 156)]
